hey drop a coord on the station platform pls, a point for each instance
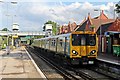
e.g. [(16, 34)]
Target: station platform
[(18, 64), (109, 57)]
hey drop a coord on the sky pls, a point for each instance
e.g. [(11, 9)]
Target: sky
[(32, 14)]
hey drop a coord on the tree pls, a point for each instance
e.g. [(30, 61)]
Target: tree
[(118, 8), (54, 28), (44, 28), (49, 22), (5, 29), (92, 27)]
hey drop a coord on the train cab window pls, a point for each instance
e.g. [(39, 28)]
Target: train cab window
[(83, 39), (75, 39), (91, 40)]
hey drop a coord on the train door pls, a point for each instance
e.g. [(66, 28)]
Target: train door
[(67, 45), (110, 44), (56, 46), (83, 45), (75, 46), (103, 44)]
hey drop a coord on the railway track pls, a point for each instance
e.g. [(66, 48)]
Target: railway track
[(66, 75), (88, 74), (108, 69), (69, 73)]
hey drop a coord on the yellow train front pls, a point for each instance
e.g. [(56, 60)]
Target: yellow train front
[(83, 47), (75, 48)]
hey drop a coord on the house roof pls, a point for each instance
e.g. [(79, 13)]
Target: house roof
[(98, 22), (104, 28), (80, 24), (81, 27), (95, 22), (115, 26), (102, 16)]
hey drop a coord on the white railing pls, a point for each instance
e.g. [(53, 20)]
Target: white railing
[(21, 33)]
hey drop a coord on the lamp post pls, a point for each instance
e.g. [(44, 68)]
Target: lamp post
[(7, 15), (14, 15), (100, 34)]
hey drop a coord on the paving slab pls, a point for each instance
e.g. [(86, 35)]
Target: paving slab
[(17, 65), (108, 57)]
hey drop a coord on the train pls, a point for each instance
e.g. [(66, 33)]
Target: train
[(80, 47)]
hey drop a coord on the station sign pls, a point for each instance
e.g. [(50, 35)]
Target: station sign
[(28, 37), (23, 39), (15, 36)]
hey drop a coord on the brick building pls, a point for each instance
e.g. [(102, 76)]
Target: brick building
[(70, 27), (100, 25)]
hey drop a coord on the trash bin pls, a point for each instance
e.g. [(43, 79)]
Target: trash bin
[(116, 50)]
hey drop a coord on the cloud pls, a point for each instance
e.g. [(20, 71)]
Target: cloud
[(63, 0), (29, 25), (86, 6), (33, 15), (107, 7), (62, 13)]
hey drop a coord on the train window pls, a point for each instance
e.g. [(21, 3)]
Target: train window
[(83, 39), (116, 39), (61, 42), (53, 43), (75, 39), (91, 40), (67, 39)]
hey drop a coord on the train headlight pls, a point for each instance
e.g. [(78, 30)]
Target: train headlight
[(74, 52), (92, 52)]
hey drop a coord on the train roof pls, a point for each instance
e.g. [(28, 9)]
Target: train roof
[(62, 35), (66, 35)]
